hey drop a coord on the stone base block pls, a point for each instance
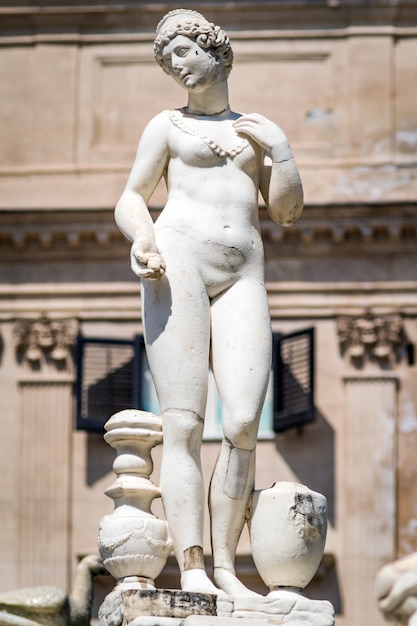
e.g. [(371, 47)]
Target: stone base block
[(126, 604), (166, 603), (162, 607), (302, 619), (198, 620), (285, 607)]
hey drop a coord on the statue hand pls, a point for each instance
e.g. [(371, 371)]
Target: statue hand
[(145, 263), (266, 133)]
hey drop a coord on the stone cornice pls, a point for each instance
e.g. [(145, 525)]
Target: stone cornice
[(56, 20), (80, 235), (77, 234), (346, 229)]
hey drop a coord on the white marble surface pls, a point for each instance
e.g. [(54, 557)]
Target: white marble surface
[(202, 271), (288, 525), (396, 590), (53, 606)]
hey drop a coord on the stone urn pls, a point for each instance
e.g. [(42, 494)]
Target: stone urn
[(133, 542), (287, 524)]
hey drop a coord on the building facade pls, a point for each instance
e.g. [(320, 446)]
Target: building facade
[(79, 84)]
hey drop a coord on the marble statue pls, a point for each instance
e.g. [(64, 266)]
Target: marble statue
[(53, 606), (202, 276), (396, 590)]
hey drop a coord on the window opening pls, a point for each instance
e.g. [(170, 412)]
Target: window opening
[(113, 374)]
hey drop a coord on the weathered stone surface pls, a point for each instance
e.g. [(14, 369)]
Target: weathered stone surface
[(288, 606), (166, 603)]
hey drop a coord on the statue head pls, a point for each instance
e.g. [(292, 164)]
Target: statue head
[(196, 27)]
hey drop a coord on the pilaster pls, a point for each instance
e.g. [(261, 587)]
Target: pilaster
[(44, 381), (369, 469), (44, 482), (368, 458)]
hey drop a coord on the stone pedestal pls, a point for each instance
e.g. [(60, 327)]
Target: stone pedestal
[(167, 603), (153, 607)]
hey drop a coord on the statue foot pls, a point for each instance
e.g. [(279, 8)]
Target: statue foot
[(227, 580), (197, 581)]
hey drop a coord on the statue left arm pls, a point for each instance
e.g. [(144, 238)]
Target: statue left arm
[(280, 182)]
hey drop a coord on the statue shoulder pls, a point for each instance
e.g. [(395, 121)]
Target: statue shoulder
[(156, 132), (159, 122), (160, 126)]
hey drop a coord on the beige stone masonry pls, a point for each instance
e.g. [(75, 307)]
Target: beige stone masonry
[(368, 468)]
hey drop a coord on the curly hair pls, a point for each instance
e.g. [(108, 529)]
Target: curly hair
[(196, 27)]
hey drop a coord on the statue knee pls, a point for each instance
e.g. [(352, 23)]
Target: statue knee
[(240, 431), (182, 427)]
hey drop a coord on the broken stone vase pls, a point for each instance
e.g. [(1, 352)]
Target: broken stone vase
[(288, 526)]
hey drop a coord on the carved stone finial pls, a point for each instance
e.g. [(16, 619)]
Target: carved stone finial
[(375, 338), (133, 543), (44, 340)]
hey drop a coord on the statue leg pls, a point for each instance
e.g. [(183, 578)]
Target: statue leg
[(177, 336), (241, 355)]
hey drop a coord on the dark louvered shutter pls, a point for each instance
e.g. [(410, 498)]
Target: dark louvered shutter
[(108, 379), (293, 365)]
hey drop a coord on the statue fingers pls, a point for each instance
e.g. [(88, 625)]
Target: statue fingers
[(148, 265)]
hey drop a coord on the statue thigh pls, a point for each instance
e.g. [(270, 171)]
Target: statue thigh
[(176, 321), (241, 357)]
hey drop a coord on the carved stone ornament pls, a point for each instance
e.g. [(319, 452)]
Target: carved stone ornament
[(133, 543), (374, 338), (45, 340)]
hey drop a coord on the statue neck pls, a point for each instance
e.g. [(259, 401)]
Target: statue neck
[(210, 102)]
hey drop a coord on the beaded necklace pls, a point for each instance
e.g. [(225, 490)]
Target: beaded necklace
[(177, 119)]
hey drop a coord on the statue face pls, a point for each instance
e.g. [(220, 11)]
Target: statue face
[(191, 66)]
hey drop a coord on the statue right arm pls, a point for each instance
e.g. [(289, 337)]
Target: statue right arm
[(131, 213)]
